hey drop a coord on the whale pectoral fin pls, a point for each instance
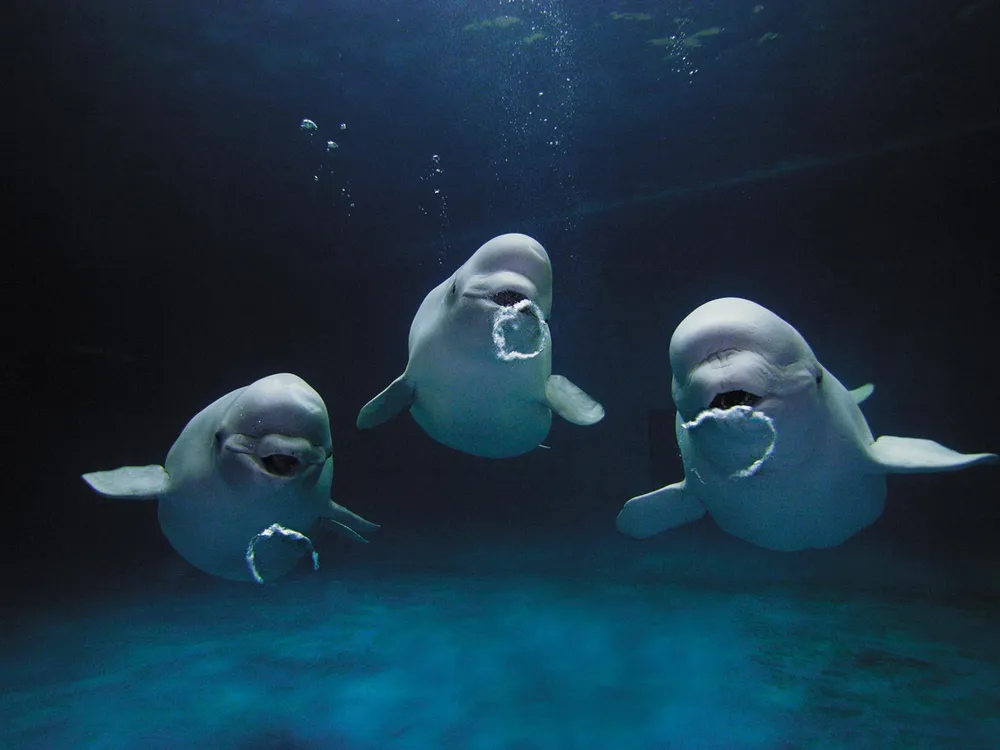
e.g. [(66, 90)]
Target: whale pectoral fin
[(343, 530), (130, 482), (349, 522), (398, 397), (862, 392), (897, 455), (666, 508), (570, 402)]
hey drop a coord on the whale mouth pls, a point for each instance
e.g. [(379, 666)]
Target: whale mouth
[(729, 399), (507, 298), (275, 455), (280, 465)]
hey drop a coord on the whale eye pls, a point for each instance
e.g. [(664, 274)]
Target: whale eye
[(819, 378), (729, 399), (507, 298), (280, 464)]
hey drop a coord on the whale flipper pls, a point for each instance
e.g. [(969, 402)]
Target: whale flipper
[(343, 529), (662, 509), (570, 402), (349, 520), (395, 399), (898, 455), (130, 482), (862, 392)]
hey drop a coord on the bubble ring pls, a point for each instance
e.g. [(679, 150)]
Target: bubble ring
[(508, 313), (273, 529), (735, 414)]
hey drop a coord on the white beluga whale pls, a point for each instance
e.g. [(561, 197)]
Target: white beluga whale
[(773, 446), (245, 483), (479, 377)]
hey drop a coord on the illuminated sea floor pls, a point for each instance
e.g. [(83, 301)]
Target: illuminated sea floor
[(437, 641)]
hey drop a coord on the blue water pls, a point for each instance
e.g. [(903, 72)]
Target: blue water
[(176, 234), (709, 644)]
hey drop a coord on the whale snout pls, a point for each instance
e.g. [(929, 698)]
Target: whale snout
[(723, 380)]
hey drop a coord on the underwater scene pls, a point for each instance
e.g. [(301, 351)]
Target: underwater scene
[(502, 375)]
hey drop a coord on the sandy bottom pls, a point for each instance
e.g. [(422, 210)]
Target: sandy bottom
[(433, 642)]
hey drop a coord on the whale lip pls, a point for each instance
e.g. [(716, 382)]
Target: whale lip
[(277, 455), (729, 399), (508, 297)]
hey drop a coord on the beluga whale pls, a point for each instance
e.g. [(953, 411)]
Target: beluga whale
[(773, 446), (245, 483), (479, 376)]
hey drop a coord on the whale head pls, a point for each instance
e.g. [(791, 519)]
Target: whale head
[(505, 271), (732, 352), (275, 432), (743, 380)]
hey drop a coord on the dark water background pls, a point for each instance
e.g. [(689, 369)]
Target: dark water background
[(172, 235)]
